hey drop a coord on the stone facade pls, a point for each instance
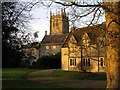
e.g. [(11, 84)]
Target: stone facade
[(50, 49), (59, 23), (51, 44), (84, 50)]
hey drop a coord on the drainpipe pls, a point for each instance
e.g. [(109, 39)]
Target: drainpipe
[(98, 57), (81, 55), (81, 59), (39, 49), (68, 57)]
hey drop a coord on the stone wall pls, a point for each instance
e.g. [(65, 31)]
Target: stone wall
[(64, 58), (49, 49), (85, 58)]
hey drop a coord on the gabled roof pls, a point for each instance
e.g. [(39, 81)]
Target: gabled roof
[(92, 31), (54, 39)]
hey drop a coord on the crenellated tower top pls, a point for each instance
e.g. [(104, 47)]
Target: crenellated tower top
[(59, 23)]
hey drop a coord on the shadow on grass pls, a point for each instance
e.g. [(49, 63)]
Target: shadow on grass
[(17, 78)]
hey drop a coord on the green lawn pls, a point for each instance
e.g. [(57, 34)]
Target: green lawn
[(16, 78), (79, 75)]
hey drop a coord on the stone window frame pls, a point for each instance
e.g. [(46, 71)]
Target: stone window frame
[(72, 62), (86, 62)]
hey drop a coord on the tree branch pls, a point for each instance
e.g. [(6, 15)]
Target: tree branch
[(75, 4)]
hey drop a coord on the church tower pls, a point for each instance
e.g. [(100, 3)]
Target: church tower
[(59, 23)]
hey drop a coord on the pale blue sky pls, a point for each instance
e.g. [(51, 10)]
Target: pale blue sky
[(40, 22), (41, 19)]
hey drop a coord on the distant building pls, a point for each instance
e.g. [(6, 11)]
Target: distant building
[(31, 53), (51, 44), (84, 49), (59, 28)]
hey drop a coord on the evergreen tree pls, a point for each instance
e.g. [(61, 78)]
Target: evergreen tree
[(11, 54)]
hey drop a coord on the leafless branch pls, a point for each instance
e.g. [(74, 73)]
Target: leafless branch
[(76, 4)]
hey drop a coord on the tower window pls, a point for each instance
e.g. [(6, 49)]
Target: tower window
[(53, 24), (56, 22)]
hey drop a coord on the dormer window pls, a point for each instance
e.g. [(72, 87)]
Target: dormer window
[(86, 42), (86, 39)]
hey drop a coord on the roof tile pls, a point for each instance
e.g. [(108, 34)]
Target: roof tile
[(54, 39)]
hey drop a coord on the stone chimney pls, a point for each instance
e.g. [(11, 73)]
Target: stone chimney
[(45, 32)]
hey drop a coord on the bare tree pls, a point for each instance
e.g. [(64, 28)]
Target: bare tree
[(112, 14)]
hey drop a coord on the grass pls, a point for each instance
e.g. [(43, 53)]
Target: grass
[(16, 78), (79, 75)]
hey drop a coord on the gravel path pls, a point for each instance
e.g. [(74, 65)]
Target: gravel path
[(70, 83)]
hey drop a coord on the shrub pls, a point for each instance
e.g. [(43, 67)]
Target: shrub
[(50, 62)]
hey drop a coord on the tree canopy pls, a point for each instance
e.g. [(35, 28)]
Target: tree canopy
[(15, 16)]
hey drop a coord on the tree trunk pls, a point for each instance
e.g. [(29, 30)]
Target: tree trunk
[(112, 14)]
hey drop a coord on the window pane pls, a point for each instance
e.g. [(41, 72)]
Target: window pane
[(85, 61), (75, 62), (88, 61), (101, 61), (70, 62)]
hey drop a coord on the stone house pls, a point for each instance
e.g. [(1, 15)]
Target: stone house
[(83, 50), (59, 28), (51, 44)]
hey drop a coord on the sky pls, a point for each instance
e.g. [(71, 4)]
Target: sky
[(41, 21)]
